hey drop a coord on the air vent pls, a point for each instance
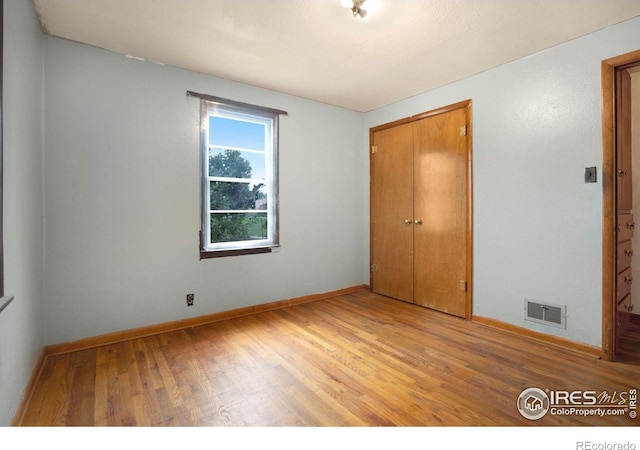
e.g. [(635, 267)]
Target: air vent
[(546, 313)]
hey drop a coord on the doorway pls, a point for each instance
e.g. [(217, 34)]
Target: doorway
[(620, 323)]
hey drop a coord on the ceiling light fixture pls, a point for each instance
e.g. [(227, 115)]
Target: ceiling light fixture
[(356, 7)]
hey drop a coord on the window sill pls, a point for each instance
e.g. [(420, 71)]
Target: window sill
[(207, 254)]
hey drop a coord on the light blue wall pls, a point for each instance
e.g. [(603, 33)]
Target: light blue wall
[(21, 323), (122, 197), (537, 226), (121, 189)]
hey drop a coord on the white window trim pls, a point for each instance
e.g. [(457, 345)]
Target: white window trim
[(257, 114)]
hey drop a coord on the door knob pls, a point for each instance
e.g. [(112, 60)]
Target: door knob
[(407, 221), (418, 222)]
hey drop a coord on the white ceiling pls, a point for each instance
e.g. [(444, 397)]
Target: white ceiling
[(317, 50)]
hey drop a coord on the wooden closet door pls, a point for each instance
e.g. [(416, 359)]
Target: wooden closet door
[(441, 212), (392, 212)]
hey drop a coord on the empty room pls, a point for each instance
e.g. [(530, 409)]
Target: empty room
[(320, 213)]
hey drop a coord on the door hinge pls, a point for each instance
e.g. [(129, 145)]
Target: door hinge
[(374, 149), (374, 268), (463, 285), (463, 130)]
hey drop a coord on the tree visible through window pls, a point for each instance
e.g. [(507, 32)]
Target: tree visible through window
[(239, 204), (228, 226)]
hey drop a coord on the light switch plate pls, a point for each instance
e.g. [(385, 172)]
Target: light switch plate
[(590, 175)]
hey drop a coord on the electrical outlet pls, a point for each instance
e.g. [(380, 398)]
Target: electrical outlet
[(189, 299)]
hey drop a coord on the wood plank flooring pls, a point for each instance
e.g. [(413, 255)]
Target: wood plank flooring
[(354, 360)]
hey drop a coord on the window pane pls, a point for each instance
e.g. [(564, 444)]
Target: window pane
[(236, 133), (237, 196), (236, 164), (238, 227)]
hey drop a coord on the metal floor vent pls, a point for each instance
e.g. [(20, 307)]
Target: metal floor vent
[(548, 314)]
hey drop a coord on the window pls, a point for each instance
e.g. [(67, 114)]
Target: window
[(239, 160)]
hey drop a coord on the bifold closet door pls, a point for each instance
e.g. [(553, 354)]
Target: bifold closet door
[(420, 210), (440, 209), (392, 212)]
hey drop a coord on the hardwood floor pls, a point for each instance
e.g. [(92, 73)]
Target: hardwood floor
[(354, 360)]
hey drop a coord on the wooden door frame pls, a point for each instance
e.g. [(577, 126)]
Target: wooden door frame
[(609, 199), (464, 104)]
